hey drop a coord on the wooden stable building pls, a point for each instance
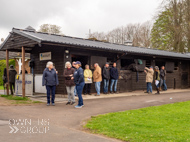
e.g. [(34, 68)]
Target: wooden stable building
[(44, 47)]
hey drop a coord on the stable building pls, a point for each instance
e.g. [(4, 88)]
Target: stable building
[(44, 47)]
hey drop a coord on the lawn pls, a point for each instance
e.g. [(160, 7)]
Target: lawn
[(12, 100), (1, 88), (166, 123)]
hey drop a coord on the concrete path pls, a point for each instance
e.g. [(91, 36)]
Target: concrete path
[(63, 123)]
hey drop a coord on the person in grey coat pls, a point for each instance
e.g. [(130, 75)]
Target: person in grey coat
[(12, 74), (163, 78), (106, 77), (50, 80)]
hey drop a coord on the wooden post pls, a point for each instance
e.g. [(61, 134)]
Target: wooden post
[(23, 72), (7, 66)]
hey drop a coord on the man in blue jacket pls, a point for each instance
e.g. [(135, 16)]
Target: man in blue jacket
[(114, 78), (50, 80)]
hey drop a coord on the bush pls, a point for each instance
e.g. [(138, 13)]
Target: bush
[(2, 66)]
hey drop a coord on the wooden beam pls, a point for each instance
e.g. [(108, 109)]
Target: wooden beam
[(7, 66), (23, 72)]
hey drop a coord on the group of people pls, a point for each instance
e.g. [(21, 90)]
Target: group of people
[(77, 80), (158, 75)]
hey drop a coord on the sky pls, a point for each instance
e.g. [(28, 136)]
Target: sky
[(75, 17)]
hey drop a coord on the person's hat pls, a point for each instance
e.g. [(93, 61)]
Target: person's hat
[(78, 62), (107, 63), (151, 67)]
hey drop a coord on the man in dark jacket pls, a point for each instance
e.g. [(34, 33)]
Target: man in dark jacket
[(50, 80), (12, 74), (114, 78), (163, 78), (106, 77)]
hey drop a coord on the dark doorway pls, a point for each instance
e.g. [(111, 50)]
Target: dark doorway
[(83, 59)]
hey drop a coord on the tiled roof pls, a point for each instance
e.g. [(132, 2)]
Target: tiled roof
[(45, 37)]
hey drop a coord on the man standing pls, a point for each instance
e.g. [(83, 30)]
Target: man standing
[(114, 78), (149, 78), (97, 78), (106, 77), (12, 74), (163, 78)]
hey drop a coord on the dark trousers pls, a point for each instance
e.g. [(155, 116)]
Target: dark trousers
[(87, 88), (12, 87), (79, 88), (50, 89)]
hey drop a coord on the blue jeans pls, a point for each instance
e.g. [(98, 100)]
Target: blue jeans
[(79, 88), (149, 87), (106, 84), (52, 90), (163, 82), (75, 91), (113, 82), (97, 86)]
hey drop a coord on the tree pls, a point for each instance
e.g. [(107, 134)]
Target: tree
[(138, 33), (48, 28), (171, 30)]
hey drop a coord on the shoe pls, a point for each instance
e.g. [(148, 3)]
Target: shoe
[(48, 104), (78, 106), (84, 93), (53, 104), (145, 92), (67, 103), (149, 92), (89, 94), (115, 92), (83, 105), (111, 92), (72, 103)]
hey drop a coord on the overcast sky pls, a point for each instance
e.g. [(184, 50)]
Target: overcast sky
[(75, 17)]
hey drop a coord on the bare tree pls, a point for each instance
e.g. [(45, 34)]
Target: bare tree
[(48, 28)]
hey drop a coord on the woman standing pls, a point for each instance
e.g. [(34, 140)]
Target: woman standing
[(50, 80), (157, 79), (88, 79), (79, 81), (70, 85)]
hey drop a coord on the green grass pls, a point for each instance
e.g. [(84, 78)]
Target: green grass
[(20, 100), (10, 97), (166, 123), (1, 88)]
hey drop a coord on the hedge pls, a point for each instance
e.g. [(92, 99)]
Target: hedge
[(2, 66)]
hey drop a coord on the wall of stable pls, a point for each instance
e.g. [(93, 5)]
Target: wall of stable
[(124, 85)]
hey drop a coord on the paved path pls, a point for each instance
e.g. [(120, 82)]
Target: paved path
[(65, 121)]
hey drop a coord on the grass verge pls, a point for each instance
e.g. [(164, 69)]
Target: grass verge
[(166, 123), (19, 100)]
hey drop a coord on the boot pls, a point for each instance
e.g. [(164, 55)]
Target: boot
[(158, 92)]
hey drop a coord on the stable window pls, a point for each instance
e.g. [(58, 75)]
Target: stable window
[(125, 63)]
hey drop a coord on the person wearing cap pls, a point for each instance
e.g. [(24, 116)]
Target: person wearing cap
[(79, 81), (12, 74), (97, 78), (149, 78), (106, 77), (157, 79)]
